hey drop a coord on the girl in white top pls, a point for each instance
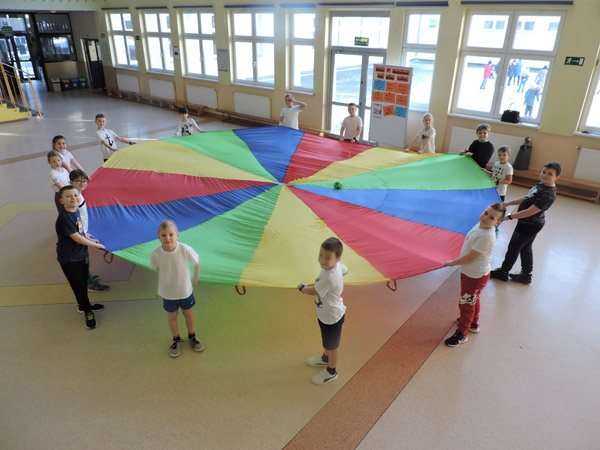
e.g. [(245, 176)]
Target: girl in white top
[(59, 177), (425, 137), (59, 144), (186, 125)]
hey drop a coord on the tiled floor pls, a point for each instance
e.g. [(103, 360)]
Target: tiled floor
[(529, 380)]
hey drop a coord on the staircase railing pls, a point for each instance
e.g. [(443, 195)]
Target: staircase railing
[(12, 92)]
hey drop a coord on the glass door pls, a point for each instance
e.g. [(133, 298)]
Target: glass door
[(351, 81)]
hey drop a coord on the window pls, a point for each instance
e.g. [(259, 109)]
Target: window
[(123, 41), (508, 66), (303, 50), (373, 30), (592, 109), (420, 44), (254, 47), (158, 41), (199, 41)]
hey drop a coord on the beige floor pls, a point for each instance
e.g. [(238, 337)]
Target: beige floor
[(529, 380)]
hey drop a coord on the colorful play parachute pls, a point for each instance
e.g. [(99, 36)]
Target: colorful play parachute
[(257, 203)]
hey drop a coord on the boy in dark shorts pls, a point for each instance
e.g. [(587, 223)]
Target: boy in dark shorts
[(330, 308)]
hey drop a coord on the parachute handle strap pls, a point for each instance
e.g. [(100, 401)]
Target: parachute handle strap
[(237, 289), (395, 288), (108, 257)]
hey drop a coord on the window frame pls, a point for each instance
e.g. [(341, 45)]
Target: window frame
[(506, 53), (295, 41), (254, 40), (160, 35), (423, 48), (200, 37), (124, 33)]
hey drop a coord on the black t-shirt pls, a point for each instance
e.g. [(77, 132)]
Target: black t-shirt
[(67, 249), (482, 152), (541, 196)]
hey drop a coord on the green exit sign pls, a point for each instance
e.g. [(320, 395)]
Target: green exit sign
[(574, 61), (362, 41)]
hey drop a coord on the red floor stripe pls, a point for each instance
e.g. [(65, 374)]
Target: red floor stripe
[(353, 411)]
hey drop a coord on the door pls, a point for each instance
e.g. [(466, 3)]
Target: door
[(351, 81), (93, 59)]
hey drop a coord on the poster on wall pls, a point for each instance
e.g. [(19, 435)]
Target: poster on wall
[(389, 105)]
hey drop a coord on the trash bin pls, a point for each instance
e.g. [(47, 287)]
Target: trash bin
[(54, 84), (82, 82), (65, 84), (74, 83)]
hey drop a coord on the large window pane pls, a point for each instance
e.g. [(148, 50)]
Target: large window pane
[(242, 24), (151, 23), (477, 83), (115, 22), (243, 61), (487, 30), (346, 78), (131, 49), (168, 53), (155, 53), (120, 50), (304, 26), (265, 63), (210, 58), (264, 25), (523, 87), (192, 56), (345, 29), (303, 66), (207, 21), (423, 29), (370, 64), (422, 64), (190, 23), (338, 114), (536, 33)]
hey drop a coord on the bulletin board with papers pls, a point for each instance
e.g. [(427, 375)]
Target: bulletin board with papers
[(389, 105)]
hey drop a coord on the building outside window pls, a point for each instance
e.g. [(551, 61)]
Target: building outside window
[(254, 47), (158, 41), (420, 46), (303, 50), (200, 49), (506, 62), (120, 28)]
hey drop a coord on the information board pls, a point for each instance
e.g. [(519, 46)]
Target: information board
[(389, 105)]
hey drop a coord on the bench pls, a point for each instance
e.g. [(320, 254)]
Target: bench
[(572, 187), (236, 117)]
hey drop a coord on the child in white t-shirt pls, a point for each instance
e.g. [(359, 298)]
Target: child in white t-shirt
[(175, 286), (108, 138), (351, 126), (289, 114), (425, 138), (186, 125), (502, 171), (59, 144), (475, 257), (331, 310), (59, 177)]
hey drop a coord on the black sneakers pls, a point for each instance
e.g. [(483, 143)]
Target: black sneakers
[(97, 287), (499, 274), (456, 339), (524, 278), (90, 321), (95, 307)]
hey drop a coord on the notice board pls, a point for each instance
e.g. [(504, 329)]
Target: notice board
[(389, 105)]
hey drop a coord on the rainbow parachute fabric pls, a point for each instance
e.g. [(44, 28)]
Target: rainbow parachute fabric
[(257, 203)]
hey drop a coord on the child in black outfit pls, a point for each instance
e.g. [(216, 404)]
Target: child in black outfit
[(531, 221), (72, 251), (481, 150)]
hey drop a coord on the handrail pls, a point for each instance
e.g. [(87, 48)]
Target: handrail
[(17, 98)]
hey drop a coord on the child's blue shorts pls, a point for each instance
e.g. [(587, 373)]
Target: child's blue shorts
[(331, 334), (172, 305)]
